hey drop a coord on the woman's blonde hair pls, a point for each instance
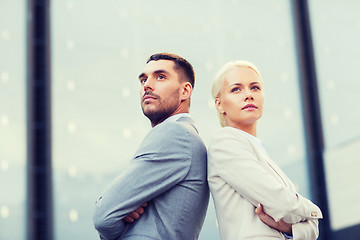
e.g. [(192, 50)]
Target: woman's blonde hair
[(220, 77)]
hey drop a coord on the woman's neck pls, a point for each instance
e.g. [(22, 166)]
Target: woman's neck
[(250, 129)]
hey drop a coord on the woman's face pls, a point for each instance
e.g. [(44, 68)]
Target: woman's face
[(241, 98)]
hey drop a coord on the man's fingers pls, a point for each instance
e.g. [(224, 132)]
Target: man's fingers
[(128, 219), (139, 210), (134, 215), (131, 217)]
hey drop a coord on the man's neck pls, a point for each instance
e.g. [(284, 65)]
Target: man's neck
[(175, 115)]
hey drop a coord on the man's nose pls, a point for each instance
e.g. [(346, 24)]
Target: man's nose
[(149, 84)]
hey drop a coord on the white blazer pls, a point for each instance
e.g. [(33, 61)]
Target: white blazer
[(241, 175)]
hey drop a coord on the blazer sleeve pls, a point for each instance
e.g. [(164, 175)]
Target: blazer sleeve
[(307, 230), (162, 161), (238, 165)]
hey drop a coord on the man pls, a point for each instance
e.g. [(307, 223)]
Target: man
[(169, 170)]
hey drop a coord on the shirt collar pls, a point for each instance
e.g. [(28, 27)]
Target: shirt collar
[(176, 117), (253, 138)]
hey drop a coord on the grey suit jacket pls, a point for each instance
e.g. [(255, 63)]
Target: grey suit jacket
[(169, 171)]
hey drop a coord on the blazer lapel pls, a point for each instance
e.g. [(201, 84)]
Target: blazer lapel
[(273, 168)]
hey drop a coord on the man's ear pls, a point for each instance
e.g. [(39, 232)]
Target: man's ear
[(186, 91), (218, 106)]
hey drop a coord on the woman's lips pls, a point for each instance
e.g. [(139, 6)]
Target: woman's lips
[(249, 107)]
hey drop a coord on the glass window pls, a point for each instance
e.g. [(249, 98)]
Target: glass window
[(12, 120), (98, 50), (336, 34)]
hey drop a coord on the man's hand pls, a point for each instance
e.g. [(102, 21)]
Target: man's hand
[(132, 216), (268, 220)]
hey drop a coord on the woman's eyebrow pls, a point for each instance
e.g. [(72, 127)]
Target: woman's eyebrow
[(235, 84), (254, 83)]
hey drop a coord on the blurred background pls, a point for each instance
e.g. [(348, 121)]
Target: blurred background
[(98, 48)]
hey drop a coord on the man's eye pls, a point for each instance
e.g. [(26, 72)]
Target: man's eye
[(143, 80), (160, 77)]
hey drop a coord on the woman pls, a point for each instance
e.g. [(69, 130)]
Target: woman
[(253, 197)]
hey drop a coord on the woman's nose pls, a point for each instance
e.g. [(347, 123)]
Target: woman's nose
[(248, 96)]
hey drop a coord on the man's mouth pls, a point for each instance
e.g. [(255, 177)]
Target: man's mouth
[(149, 96)]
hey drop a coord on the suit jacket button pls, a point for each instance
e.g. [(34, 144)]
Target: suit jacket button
[(314, 214)]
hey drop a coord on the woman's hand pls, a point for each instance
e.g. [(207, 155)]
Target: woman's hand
[(268, 220)]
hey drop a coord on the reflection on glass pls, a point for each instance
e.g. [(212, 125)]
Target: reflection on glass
[(12, 120), (336, 33)]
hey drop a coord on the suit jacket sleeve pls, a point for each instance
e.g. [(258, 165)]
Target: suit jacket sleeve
[(306, 230), (239, 166), (162, 161)]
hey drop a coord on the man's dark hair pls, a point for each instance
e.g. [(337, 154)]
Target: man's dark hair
[(180, 63)]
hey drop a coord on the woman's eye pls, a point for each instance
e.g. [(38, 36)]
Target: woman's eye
[(235, 89), (256, 88)]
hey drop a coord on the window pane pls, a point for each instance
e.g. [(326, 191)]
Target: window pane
[(12, 120), (336, 33), (100, 49)]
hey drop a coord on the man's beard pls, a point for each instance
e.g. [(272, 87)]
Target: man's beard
[(163, 109)]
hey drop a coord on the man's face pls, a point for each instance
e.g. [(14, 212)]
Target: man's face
[(160, 90)]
